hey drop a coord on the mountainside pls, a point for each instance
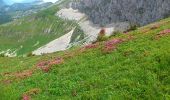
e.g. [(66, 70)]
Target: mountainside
[(132, 65), (26, 34), (38, 33), (85, 50), (3, 16), (140, 12)]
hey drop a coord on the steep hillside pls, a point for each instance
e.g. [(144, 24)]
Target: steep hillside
[(131, 65), (139, 12), (29, 33)]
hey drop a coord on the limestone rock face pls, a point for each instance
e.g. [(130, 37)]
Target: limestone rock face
[(135, 11)]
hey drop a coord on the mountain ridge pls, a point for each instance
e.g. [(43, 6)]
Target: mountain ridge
[(41, 28)]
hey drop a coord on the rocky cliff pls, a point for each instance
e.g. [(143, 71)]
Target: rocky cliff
[(135, 11)]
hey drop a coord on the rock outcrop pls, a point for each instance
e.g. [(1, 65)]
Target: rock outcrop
[(135, 11)]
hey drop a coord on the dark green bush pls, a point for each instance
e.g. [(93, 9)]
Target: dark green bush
[(132, 27), (30, 54), (2, 55)]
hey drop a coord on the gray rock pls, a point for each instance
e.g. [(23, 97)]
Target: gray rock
[(139, 12)]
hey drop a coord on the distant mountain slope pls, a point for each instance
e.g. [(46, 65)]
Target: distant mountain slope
[(135, 11), (4, 17), (24, 35), (18, 10)]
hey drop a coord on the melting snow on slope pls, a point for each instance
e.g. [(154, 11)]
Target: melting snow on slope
[(87, 26), (59, 44)]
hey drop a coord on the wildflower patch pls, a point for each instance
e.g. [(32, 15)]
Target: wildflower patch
[(91, 46), (162, 33), (27, 95), (21, 75), (46, 65), (111, 45)]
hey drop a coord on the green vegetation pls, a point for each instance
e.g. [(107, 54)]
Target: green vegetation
[(5, 18), (136, 68), (31, 32), (102, 36)]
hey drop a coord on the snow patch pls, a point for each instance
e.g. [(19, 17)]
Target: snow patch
[(9, 53), (91, 30), (59, 44), (70, 14)]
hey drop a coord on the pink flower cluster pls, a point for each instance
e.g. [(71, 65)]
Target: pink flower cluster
[(56, 61), (113, 42), (91, 46), (46, 65), (110, 45), (26, 97), (167, 31), (163, 33)]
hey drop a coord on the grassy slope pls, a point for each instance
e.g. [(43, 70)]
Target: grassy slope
[(137, 69), (30, 30)]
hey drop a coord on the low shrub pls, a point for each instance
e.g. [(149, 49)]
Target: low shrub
[(102, 35), (132, 28), (2, 55), (115, 33), (30, 54)]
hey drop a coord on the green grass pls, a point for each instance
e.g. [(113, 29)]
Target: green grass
[(42, 27), (137, 69)]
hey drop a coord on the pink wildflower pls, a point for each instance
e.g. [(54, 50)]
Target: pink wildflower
[(91, 46), (113, 42), (163, 33), (46, 65), (26, 97), (56, 61), (46, 68), (110, 45), (43, 63), (109, 49), (167, 31)]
